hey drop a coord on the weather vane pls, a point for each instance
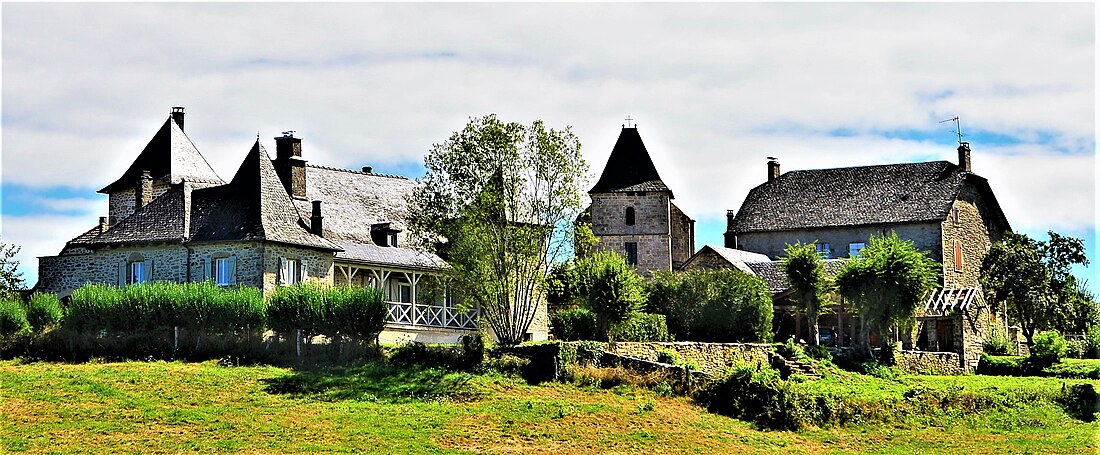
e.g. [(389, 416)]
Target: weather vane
[(958, 127)]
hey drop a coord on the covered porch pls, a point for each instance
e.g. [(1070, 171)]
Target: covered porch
[(416, 299)]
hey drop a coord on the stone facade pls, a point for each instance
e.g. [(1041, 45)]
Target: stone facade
[(107, 265), (925, 236), (316, 265), (663, 234), (121, 203)]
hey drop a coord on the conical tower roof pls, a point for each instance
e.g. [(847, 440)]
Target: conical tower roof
[(170, 154), (629, 167)]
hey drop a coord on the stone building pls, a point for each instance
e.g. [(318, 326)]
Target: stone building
[(277, 222), (943, 207), (632, 212)]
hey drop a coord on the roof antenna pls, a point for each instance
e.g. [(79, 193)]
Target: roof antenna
[(958, 127)]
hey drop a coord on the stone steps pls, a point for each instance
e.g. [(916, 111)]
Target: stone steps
[(793, 366)]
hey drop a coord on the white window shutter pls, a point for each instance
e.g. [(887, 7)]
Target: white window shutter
[(148, 278), (232, 270), (122, 273), (207, 271), (279, 278)]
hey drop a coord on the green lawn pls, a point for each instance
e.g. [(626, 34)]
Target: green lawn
[(158, 407)]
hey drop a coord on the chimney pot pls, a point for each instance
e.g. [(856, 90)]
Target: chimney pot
[(177, 115), (315, 219), (964, 156), (773, 168), (367, 169)]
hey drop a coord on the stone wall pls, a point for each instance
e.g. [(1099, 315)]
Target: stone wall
[(968, 224), (248, 258), (683, 236), (925, 236), (316, 265), (927, 362), (62, 275), (712, 358), (120, 204), (651, 229)]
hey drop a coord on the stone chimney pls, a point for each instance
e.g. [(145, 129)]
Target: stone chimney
[(103, 226), (367, 169), (773, 168), (315, 219), (143, 191), (289, 164), (177, 115), (964, 156)]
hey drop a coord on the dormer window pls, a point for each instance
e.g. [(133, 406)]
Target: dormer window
[(630, 216), (384, 234)]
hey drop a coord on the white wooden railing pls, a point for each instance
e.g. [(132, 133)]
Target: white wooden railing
[(416, 314)]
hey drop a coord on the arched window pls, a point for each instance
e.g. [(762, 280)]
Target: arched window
[(630, 216)]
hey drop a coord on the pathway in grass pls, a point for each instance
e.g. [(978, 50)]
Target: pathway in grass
[(159, 407)]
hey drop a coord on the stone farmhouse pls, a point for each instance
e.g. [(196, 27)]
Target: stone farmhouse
[(943, 207), (632, 212), (276, 222)]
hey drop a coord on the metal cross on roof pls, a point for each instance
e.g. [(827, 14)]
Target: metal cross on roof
[(628, 120)]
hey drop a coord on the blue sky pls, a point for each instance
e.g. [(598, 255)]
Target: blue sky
[(715, 89)]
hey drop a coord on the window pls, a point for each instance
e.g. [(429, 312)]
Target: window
[(631, 253), (223, 271), (823, 250), (137, 273), (392, 240), (404, 291), (290, 271), (854, 249), (958, 255), (630, 216), (955, 215)]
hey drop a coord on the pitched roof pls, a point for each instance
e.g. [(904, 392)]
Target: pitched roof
[(851, 196), (772, 272), (352, 201), (254, 206), (629, 167), (171, 156), (162, 220), (735, 258), (394, 256)]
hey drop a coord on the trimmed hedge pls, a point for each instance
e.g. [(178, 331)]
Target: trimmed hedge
[(574, 325), (358, 313), (43, 311), (13, 318)]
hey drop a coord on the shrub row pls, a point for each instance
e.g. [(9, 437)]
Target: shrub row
[(581, 324), (200, 307), (357, 313), (713, 305)]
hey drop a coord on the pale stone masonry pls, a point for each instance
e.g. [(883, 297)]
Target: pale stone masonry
[(171, 218), (632, 212)]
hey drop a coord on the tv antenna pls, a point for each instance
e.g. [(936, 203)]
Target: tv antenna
[(958, 127)]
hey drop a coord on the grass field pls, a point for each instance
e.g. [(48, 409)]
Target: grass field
[(158, 407)]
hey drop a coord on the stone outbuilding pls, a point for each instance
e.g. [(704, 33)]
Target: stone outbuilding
[(277, 222), (632, 212), (943, 207)]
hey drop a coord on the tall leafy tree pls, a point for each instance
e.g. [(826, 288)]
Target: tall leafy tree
[(497, 202), (11, 279), (1032, 280), (887, 283), (806, 273)]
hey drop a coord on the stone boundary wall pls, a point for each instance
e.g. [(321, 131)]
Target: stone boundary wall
[(927, 362), (712, 358)]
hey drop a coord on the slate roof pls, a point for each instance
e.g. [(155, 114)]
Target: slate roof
[(395, 256), (351, 201), (254, 206), (852, 196), (169, 156), (736, 258), (772, 273), (161, 220), (629, 168)]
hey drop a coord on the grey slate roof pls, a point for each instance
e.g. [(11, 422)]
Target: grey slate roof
[(169, 156), (772, 273), (851, 196), (162, 220), (254, 206), (352, 201), (629, 168), (393, 256)]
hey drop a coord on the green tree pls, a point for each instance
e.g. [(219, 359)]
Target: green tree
[(806, 274), (1032, 279), (498, 202), (712, 305), (11, 279), (610, 288), (886, 283)]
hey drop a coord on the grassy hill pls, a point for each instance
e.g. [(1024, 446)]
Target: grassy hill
[(158, 407)]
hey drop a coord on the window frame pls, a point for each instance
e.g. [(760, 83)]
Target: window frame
[(957, 252), (136, 272), (630, 217), (631, 250), (824, 250), (290, 271), (222, 265), (857, 251)]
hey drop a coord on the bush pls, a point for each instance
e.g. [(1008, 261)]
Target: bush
[(358, 313), (1048, 348), (1000, 366), (668, 356), (1092, 342), (574, 325), (611, 288), (13, 319), (997, 343), (473, 348), (43, 311), (641, 327), (819, 352), (713, 305), (425, 356)]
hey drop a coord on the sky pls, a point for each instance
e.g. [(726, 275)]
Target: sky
[(714, 88)]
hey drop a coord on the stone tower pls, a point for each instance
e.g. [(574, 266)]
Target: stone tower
[(632, 211)]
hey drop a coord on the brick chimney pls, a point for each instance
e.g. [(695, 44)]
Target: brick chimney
[(964, 156), (289, 164), (368, 169), (177, 115), (143, 191), (315, 219), (773, 168)]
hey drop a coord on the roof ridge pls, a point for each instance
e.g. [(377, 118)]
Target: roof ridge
[(353, 171), (870, 166)]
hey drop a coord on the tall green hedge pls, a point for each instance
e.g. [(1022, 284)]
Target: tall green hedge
[(43, 311), (201, 307), (358, 313), (13, 319), (712, 305)]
